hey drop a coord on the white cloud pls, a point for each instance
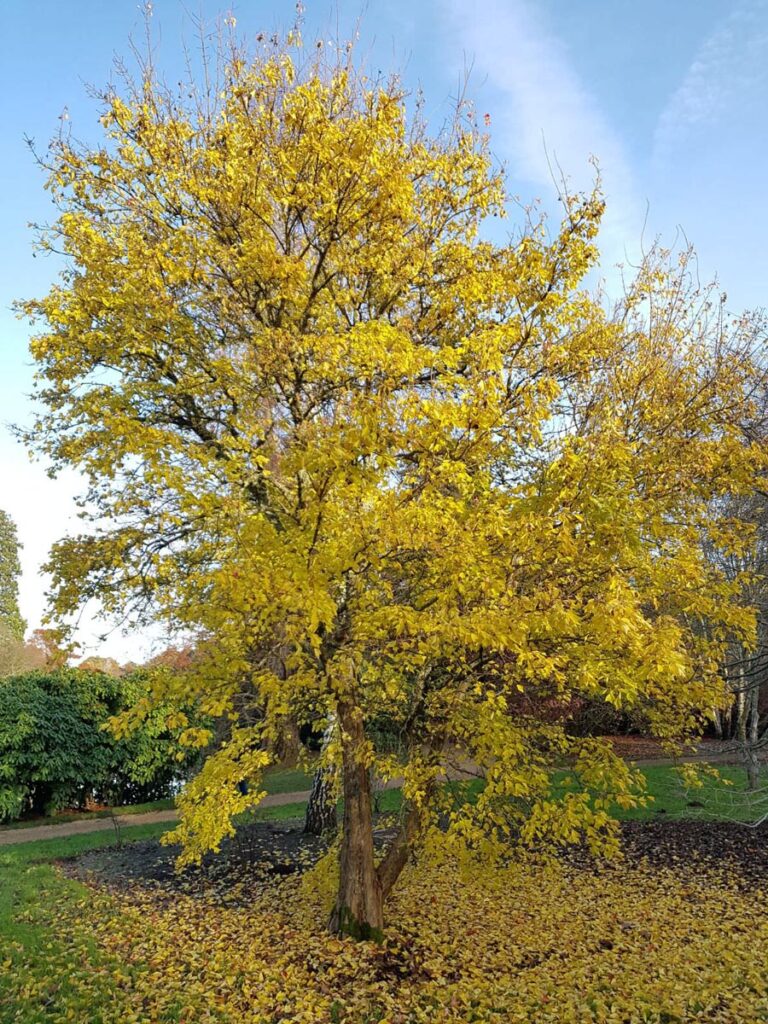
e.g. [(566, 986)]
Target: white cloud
[(552, 118), (730, 66)]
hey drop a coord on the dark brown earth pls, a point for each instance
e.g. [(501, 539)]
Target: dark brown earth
[(268, 849)]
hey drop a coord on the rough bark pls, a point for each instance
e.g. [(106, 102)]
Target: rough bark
[(396, 856), (754, 716), (288, 744), (359, 909), (321, 808), (753, 769)]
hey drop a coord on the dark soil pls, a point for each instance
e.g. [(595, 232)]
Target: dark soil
[(258, 852), (634, 747), (714, 845), (264, 850)]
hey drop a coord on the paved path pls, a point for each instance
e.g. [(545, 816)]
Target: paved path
[(13, 836)]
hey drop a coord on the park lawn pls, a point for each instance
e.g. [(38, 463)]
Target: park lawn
[(48, 962), (668, 797), (722, 797), (545, 948), (37, 903)]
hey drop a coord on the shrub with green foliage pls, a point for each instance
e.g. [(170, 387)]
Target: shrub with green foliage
[(55, 751)]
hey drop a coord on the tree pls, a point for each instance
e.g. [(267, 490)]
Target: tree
[(106, 666), (49, 648), (742, 723), (10, 569), (320, 816), (326, 424), (15, 655)]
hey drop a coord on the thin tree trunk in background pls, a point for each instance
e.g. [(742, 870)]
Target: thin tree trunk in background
[(754, 715), (752, 730), (741, 708), (321, 808), (718, 723), (753, 769), (359, 909)]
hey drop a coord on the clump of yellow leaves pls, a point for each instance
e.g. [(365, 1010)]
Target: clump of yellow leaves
[(540, 945)]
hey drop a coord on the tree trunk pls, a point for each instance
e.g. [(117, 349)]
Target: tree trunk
[(359, 909), (741, 709), (753, 770), (754, 717), (718, 720), (287, 745), (396, 856), (321, 809)]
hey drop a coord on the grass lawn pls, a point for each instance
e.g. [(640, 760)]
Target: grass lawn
[(36, 902), (726, 797), (37, 971), (69, 954), (47, 963)]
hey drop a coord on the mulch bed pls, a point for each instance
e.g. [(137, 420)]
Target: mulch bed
[(267, 849), (719, 845), (645, 748)]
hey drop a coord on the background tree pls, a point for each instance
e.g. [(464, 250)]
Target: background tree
[(49, 648), (106, 666), (422, 473), (11, 621), (741, 722)]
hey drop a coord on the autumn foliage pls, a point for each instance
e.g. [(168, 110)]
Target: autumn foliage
[(379, 466)]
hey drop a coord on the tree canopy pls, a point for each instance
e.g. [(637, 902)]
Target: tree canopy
[(378, 465)]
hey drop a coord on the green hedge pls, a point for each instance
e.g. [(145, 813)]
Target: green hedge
[(55, 753)]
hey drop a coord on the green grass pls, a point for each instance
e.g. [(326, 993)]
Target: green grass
[(286, 780), (37, 905), (42, 966), (724, 797)]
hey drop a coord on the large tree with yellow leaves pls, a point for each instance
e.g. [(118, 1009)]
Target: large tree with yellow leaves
[(381, 468)]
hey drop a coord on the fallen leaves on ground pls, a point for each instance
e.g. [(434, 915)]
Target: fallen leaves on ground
[(683, 939)]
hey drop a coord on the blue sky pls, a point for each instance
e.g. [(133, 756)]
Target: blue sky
[(671, 98)]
